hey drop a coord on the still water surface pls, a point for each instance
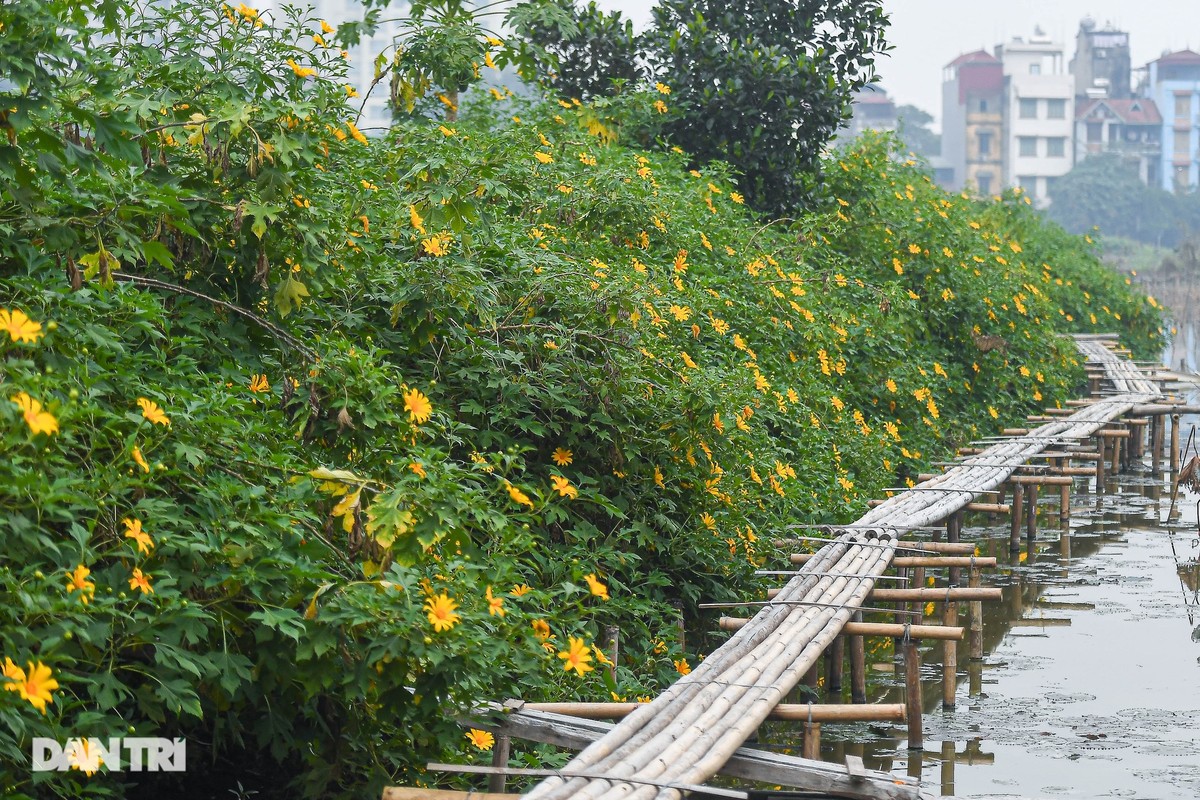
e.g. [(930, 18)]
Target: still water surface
[(1090, 686)]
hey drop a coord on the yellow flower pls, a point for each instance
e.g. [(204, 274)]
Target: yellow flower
[(140, 581), (139, 460), (20, 328), (417, 468), (418, 406), (520, 590), (518, 496), (440, 610), (33, 684), (301, 72), (483, 740), (317, 38), (356, 133), (562, 457), (133, 530), (606, 661), (576, 657), (660, 106), (596, 587), (564, 487), (565, 189), (717, 423), (896, 265), (495, 604), (77, 581), (682, 666), (545, 158), (662, 88), (326, 27), (351, 91), (737, 198), (891, 385), (658, 478), (37, 418), (84, 755), (708, 520), (258, 383), (541, 629), (914, 248), (152, 412), (681, 313), (417, 222), (447, 132), (436, 246), (681, 264), (837, 402), (688, 360)]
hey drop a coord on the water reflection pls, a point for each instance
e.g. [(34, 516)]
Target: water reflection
[(1088, 686)]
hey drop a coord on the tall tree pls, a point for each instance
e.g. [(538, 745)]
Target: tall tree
[(915, 132), (1104, 191), (764, 85), (581, 52)]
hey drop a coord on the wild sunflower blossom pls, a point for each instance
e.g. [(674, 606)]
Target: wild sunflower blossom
[(418, 406), (482, 740), (495, 604), (77, 581), (36, 417), (152, 412), (562, 456), (35, 683), (596, 587), (564, 487), (133, 530), (19, 327), (141, 581), (440, 611), (576, 657)]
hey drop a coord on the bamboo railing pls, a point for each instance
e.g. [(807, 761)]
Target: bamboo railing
[(688, 732)]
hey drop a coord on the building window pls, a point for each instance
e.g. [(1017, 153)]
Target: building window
[(1056, 109), (1027, 146), (984, 180), (1183, 106), (1181, 179), (1028, 108), (1095, 132), (983, 106), (985, 144), (1028, 183), (1035, 69), (1056, 146), (1182, 140)]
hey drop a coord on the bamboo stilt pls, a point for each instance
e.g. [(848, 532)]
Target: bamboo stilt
[(1174, 445), (500, 753), (949, 657), (912, 694), (858, 666), (975, 627), (1014, 532)]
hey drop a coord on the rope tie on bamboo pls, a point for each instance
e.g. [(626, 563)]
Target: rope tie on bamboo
[(907, 633), (810, 722)]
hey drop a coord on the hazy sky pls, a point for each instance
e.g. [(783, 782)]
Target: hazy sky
[(928, 34)]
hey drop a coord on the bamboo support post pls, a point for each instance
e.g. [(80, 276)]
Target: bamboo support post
[(954, 525), (912, 694), (975, 627), (1174, 445), (500, 753), (949, 656), (858, 665), (1064, 498), (1116, 456), (1103, 448), (812, 741), (1031, 517), (1014, 532), (835, 656), (1157, 432)]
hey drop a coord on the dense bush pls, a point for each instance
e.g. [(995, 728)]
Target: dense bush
[(312, 442)]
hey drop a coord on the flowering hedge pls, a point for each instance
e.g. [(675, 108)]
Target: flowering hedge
[(312, 440)]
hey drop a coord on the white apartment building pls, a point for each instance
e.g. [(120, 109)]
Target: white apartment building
[(1039, 112)]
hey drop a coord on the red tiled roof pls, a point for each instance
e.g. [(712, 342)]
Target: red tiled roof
[(1139, 111), (978, 56), (1181, 57)]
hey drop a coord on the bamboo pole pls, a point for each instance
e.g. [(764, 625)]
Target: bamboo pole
[(858, 665), (912, 694), (1156, 438), (1174, 444), (919, 561), (835, 660), (1014, 533), (1031, 517), (976, 624), (812, 741), (818, 712), (937, 632), (949, 656), (500, 753)]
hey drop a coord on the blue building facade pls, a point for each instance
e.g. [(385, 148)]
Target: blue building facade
[(1173, 81)]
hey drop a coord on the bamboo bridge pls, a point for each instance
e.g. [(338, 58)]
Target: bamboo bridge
[(698, 727)]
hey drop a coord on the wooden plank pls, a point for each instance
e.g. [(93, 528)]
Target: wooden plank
[(567, 772), (746, 763), (855, 768)]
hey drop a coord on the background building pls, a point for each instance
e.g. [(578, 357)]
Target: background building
[(1102, 65), (1130, 128), (872, 110), (973, 122), (1039, 114), (1173, 82)]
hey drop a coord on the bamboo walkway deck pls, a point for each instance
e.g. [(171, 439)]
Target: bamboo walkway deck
[(688, 734)]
